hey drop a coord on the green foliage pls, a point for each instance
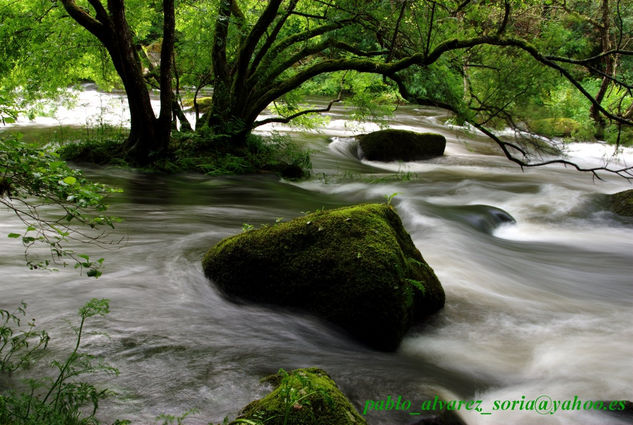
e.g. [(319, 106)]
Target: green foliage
[(58, 400), (102, 152), (56, 204), (212, 155), (175, 420), (19, 345), (35, 65)]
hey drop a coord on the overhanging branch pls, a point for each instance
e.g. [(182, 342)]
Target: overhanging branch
[(285, 120), (625, 172)]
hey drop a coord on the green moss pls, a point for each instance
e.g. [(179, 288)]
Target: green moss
[(204, 104), (353, 266), (555, 127), (301, 397), (622, 203), (401, 145)]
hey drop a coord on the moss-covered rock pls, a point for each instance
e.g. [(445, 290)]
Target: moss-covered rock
[(555, 127), (400, 145), (301, 397), (622, 203), (356, 267), (204, 104)]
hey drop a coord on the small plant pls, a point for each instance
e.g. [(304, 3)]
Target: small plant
[(52, 401), (246, 227), (18, 346), (417, 284), (175, 420), (389, 198)]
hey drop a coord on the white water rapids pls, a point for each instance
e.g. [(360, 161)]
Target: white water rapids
[(538, 307)]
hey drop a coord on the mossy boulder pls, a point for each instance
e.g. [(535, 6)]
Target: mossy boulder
[(400, 145), (356, 267), (622, 203), (301, 397), (555, 127), (204, 104)]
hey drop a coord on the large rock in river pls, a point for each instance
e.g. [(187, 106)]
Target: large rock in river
[(301, 397), (400, 145), (622, 203), (356, 267)]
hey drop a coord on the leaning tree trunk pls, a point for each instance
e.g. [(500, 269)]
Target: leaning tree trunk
[(149, 136)]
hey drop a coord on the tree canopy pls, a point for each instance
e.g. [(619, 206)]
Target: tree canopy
[(495, 63)]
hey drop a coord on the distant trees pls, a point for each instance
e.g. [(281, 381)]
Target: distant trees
[(482, 61)]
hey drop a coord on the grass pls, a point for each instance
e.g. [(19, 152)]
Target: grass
[(193, 152)]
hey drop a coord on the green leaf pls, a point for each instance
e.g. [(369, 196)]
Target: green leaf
[(93, 273), (70, 180), (14, 235)]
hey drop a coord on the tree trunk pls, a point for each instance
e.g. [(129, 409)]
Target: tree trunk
[(149, 136), (609, 69)]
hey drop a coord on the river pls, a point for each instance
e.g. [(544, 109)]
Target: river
[(537, 307)]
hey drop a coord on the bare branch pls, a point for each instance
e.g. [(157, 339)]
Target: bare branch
[(591, 59), (287, 119), (625, 172), (308, 15)]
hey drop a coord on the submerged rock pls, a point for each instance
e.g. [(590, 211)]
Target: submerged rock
[(484, 218), (356, 267), (622, 203), (204, 104), (400, 145), (301, 397)]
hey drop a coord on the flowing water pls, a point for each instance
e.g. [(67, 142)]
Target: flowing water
[(537, 305)]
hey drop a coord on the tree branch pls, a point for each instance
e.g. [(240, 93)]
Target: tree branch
[(247, 48), (287, 119), (506, 16), (591, 59), (311, 50), (275, 51), (102, 15), (85, 20), (166, 63), (218, 55), (626, 172), (272, 37)]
